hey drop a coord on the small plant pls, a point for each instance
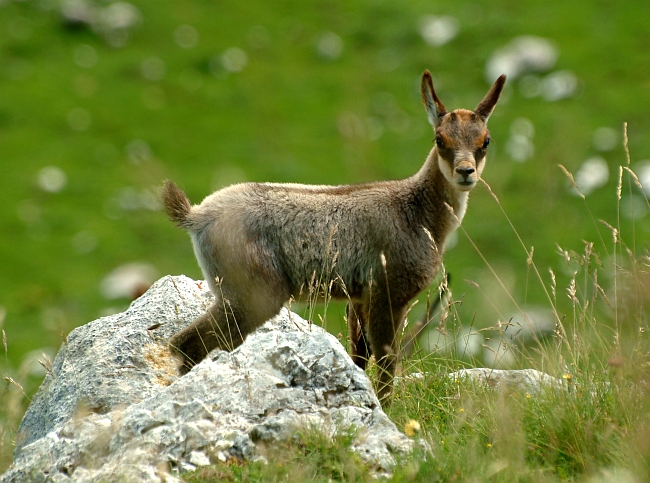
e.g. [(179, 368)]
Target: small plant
[(310, 455)]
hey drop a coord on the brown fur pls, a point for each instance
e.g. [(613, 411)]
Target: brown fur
[(177, 206), (377, 245)]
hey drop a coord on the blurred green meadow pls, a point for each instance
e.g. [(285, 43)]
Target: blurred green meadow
[(99, 103)]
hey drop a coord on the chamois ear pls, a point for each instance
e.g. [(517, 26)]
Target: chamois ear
[(486, 106), (435, 109)]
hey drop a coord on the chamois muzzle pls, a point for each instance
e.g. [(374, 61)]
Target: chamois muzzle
[(465, 173), (465, 176)]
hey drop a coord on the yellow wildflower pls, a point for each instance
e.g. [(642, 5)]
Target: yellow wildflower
[(411, 428)]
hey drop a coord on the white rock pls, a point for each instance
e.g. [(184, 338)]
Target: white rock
[(528, 380), (115, 409), (521, 55)]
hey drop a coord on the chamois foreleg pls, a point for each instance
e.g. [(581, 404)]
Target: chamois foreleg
[(359, 347), (384, 321)]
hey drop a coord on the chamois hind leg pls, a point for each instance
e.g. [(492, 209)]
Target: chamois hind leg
[(226, 323), (194, 342), (359, 349), (383, 326)]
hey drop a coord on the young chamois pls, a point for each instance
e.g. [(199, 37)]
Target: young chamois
[(377, 244)]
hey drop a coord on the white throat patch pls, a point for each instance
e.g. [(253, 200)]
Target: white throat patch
[(462, 204)]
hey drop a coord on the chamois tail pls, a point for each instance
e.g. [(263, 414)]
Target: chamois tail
[(177, 206)]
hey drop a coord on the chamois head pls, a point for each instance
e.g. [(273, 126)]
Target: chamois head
[(462, 137)]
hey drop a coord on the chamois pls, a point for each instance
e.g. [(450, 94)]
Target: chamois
[(376, 244)]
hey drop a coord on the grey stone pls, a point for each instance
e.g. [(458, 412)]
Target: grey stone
[(115, 409), (527, 380)]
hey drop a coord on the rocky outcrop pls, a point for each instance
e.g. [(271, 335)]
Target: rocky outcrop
[(113, 409)]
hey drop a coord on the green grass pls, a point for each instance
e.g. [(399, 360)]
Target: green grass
[(310, 456), (278, 120), (472, 433)]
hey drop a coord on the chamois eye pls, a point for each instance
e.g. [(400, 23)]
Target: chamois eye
[(486, 143), (440, 143)]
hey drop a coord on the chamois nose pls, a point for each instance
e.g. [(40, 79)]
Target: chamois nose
[(465, 171)]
